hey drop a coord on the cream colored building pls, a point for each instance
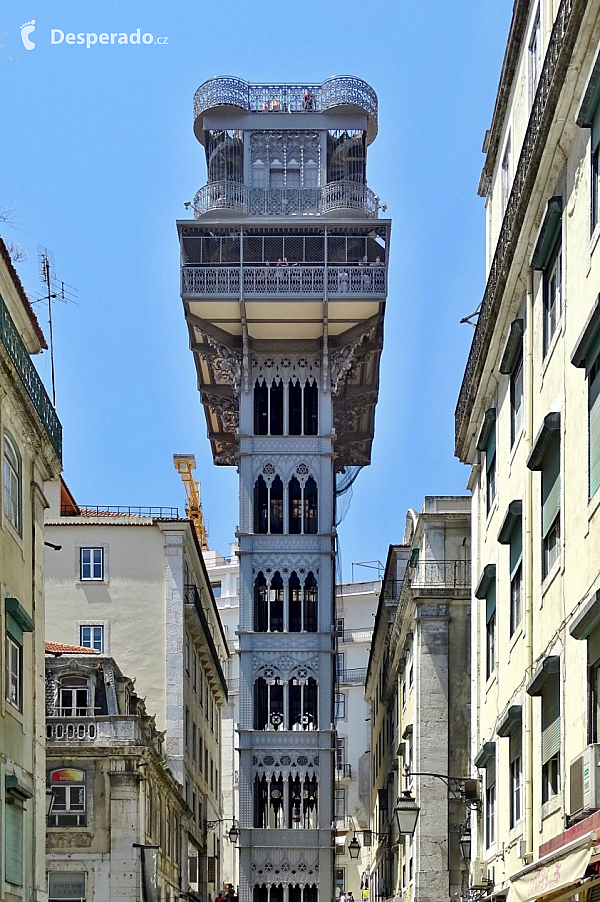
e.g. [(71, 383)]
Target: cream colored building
[(117, 827), (131, 583), (418, 687), (31, 438), (528, 425)]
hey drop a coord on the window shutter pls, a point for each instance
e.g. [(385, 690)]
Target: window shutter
[(515, 742), (594, 439), (14, 844), (490, 772), (596, 129), (490, 603), (550, 486), (516, 546), (593, 647), (550, 717)]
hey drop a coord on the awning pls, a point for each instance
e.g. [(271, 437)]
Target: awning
[(552, 872)]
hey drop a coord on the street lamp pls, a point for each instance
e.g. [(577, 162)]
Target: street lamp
[(234, 833), (464, 842), (354, 847), (406, 813)]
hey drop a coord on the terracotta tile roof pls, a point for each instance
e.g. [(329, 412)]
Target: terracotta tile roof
[(21, 292), (61, 648)]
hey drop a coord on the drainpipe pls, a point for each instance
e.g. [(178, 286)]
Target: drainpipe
[(528, 560)]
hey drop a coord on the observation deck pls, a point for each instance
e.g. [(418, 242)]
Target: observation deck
[(343, 93), (336, 198)]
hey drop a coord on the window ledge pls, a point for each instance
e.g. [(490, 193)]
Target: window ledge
[(14, 712), (515, 447), (593, 505), (552, 806), (13, 531), (594, 239), (491, 681), (518, 634), (551, 576), (493, 508)]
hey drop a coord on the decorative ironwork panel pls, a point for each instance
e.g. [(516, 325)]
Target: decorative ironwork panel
[(220, 91), (220, 280), (286, 201), (283, 280), (357, 280), (29, 376), (276, 280), (349, 196), (346, 89)]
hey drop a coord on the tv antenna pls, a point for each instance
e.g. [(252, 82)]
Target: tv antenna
[(54, 290)]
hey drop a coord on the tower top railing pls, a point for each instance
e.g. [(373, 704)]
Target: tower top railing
[(340, 90), (331, 198)]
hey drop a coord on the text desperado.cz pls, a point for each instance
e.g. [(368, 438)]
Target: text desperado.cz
[(90, 38)]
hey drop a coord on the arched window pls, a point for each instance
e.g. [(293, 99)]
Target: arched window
[(269, 802), (261, 506), (295, 603), (268, 704), (310, 612), (261, 621), (295, 408), (303, 798), (295, 507), (277, 408), (75, 697), (276, 523), (310, 507), (303, 713), (276, 604), (12, 482), (261, 408), (311, 409)]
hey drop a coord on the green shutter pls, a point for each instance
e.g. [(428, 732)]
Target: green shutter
[(490, 451), (13, 629), (516, 546), (596, 129), (490, 603), (594, 434), (515, 742), (550, 717), (593, 646), (13, 843), (550, 486), (490, 772)]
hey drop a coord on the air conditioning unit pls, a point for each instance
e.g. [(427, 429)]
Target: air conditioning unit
[(479, 874), (584, 782)]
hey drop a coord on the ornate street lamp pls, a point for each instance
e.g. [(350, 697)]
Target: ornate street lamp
[(464, 842), (234, 833), (354, 847), (406, 813)]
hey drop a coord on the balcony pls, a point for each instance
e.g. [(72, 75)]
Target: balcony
[(343, 771), (446, 574), (192, 597), (360, 635), (277, 281), (339, 91), (356, 676), (16, 350), (104, 510), (239, 198), (107, 729)]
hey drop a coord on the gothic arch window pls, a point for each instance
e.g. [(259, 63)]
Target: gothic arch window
[(303, 803), (303, 604), (261, 408), (295, 408), (279, 803), (276, 506), (303, 409), (310, 507), (268, 503), (295, 507), (311, 410), (303, 708), (261, 506), (261, 619), (268, 704), (276, 408), (276, 598), (269, 802)]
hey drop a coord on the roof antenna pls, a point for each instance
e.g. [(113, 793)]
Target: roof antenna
[(54, 289)]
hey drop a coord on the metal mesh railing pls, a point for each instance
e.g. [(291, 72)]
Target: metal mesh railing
[(283, 280), (288, 201)]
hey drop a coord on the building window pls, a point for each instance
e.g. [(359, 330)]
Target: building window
[(268, 505), (303, 497), (340, 706), (516, 399), (516, 775), (14, 673), (12, 482), (66, 885), (74, 697), (506, 175), (68, 788), (534, 57), (340, 881), (490, 631), (486, 443), (340, 666), (550, 694), (92, 637), (340, 755), (552, 288), (551, 492), (595, 177), (490, 803), (594, 426), (91, 563), (339, 811), (216, 589)]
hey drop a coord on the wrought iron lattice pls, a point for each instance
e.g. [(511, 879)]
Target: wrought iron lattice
[(286, 201), (552, 77), (283, 280)]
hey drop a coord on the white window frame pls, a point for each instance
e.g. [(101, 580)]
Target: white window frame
[(96, 638), (12, 469), (14, 677), (92, 563), (340, 705)]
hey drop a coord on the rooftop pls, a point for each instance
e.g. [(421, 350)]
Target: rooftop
[(62, 648)]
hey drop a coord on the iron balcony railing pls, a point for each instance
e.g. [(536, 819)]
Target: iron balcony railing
[(192, 596), (16, 350), (343, 771), (445, 574), (358, 635), (285, 201), (160, 513), (336, 91), (298, 280), (353, 676)]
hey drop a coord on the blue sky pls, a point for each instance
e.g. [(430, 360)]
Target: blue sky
[(97, 157)]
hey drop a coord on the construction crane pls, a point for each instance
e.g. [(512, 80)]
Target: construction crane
[(185, 464)]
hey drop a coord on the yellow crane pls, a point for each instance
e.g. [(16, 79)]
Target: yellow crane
[(185, 464)]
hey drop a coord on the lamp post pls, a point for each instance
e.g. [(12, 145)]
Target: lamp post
[(406, 813), (464, 841), (233, 832), (354, 847)]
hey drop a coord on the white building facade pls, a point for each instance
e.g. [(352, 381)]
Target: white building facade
[(287, 355)]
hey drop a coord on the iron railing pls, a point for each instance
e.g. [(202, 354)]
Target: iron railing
[(290, 201), (233, 686), (358, 635), (353, 676), (445, 574), (192, 596), (336, 91), (343, 771), (556, 65), (284, 280), (160, 513), (16, 350)]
